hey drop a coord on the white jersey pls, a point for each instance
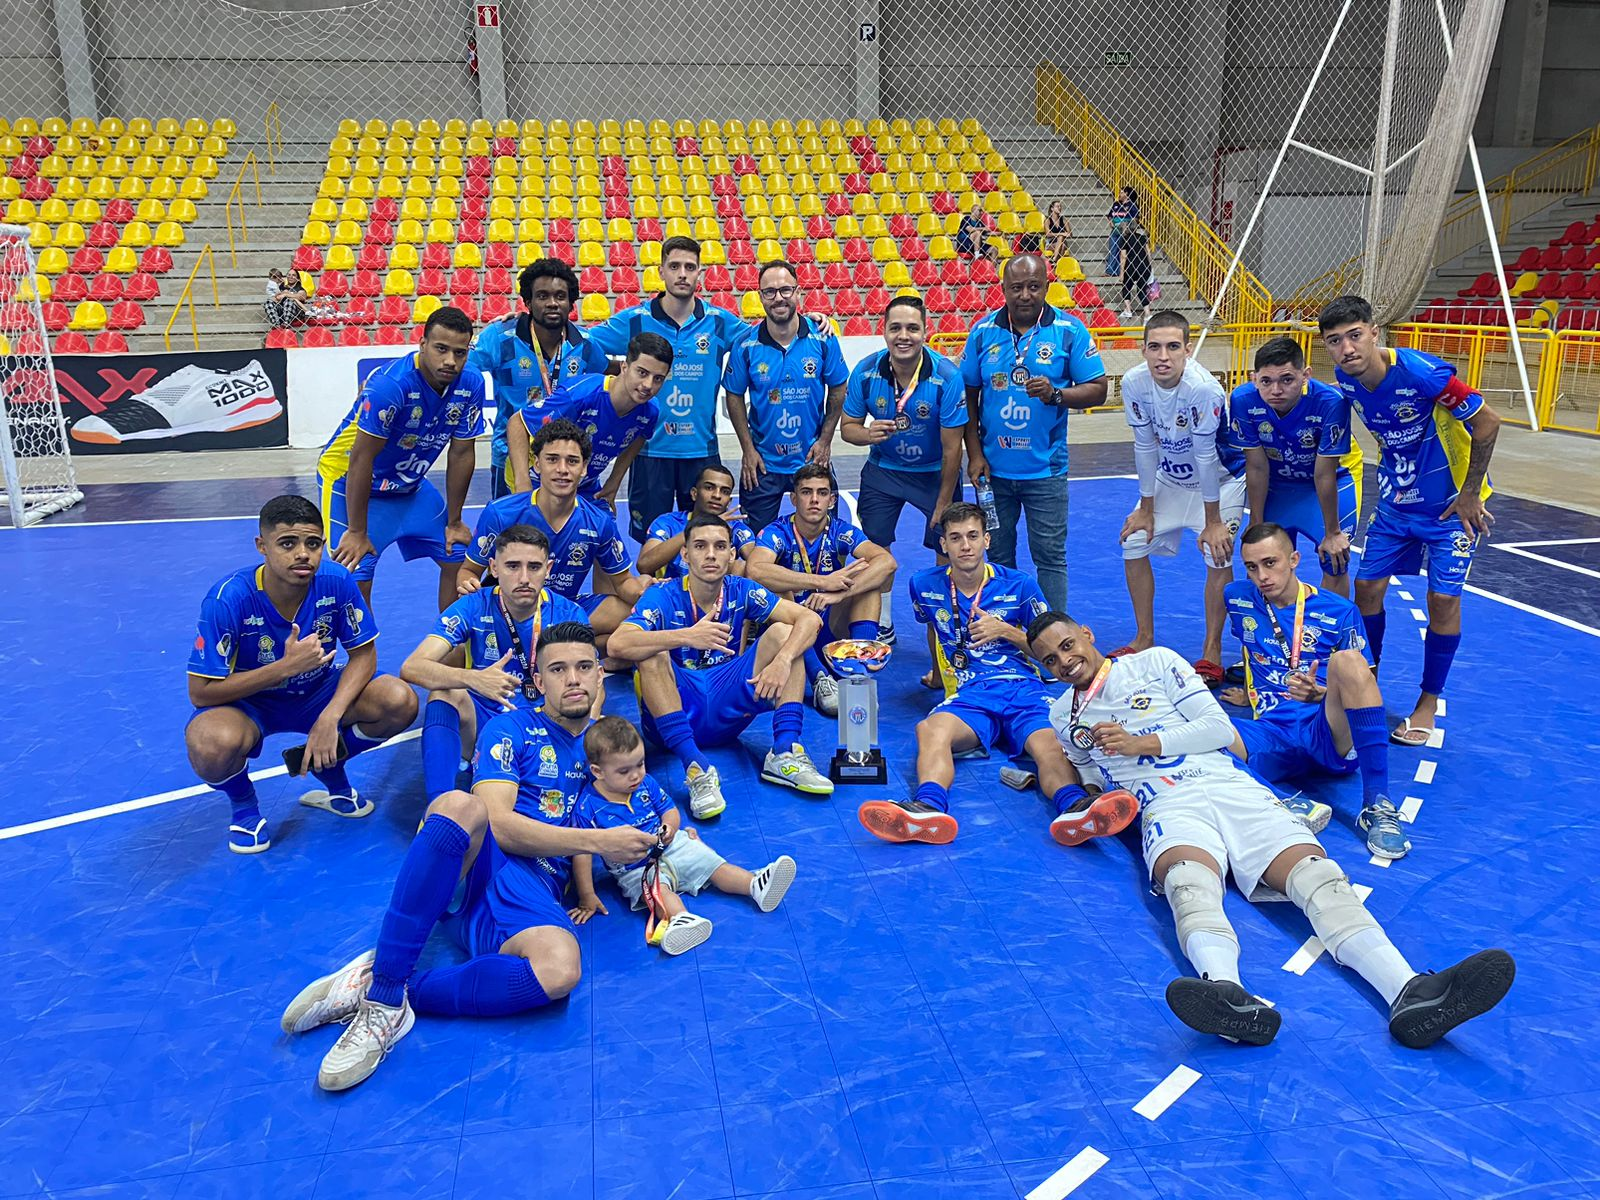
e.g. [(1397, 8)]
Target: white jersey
[(1175, 430)]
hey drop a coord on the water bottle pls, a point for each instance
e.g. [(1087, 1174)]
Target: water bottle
[(991, 516)]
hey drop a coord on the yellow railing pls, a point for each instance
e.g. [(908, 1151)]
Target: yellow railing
[(274, 130), (187, 297), (1569, 385), (236, 197), (1175, 228)]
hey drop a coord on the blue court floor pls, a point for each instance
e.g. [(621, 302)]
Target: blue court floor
[(914, 1023)]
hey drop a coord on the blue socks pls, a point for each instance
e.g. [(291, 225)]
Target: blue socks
[(335, 780), (1067, 796), (241, 793), (1369, 733), (786, 721), (676, 735), (422, 892), (1438, 652), (491, 985), (441, 748), (935, 795), (1376, 623), (359, 743), (865, 631)]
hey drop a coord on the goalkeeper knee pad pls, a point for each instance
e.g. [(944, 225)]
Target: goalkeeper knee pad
[(1323, 892), (1195, 893)]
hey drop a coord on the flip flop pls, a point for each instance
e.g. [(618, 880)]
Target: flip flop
[(1209, 671), (1407, 734)]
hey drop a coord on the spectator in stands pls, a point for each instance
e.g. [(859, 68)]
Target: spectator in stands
[(970, 234), (1134, 268), (1057, 231), (286, 301), (1028, 243), (1124, 209)]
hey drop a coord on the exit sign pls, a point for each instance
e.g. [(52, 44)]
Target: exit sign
[(488, 16), (1119, 58)]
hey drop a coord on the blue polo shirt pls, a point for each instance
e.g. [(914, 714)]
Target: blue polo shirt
[(937, 402), (505, 351), (688, 399), (785, 389), (1025, 438)]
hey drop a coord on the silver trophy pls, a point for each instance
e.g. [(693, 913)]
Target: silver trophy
[(858, 758)]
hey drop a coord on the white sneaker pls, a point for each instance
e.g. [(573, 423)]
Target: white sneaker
[(794, 768), (767, 889), (684, 932), (332, 998), (1127, 314), (190, 400), (705, 793), (825, 694), (365, 1042)]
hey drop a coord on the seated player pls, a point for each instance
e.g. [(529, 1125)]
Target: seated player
[(375, 490), (508, 843), (1316, 704), (706, 668), (1302, 470), (979, 611), (621, 794), (582, 534), (662, 552), (618, 412), (253, 673), (1190, 480), (1146, 722), (827, 564), (478, 661)]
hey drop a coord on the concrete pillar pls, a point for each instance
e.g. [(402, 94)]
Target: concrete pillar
[(869, 39), (1202, 117), (73, 38), (491, 62), (1516, 107)]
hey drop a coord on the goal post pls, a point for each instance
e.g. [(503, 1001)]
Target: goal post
[(34, 454)]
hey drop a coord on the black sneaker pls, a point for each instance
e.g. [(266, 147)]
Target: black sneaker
[(1430, 1006), (1224, 1009), (1235, 674), (907, 821)]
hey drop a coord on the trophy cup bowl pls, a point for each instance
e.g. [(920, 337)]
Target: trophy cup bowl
[(857, 656), (858, 758)]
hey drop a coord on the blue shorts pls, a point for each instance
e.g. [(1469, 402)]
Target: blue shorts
[(590, 603), (1399, 544), (1015, 714), (1298, 510), (1290, 740), (884, 492), (275, 712), (501, 898), (661, 485), (719, 701), (414, 521)]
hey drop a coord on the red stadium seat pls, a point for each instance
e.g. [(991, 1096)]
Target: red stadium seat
[(619, 205), (955, 272), (432, 281), (354, 335), (861, 144), (626, 279), (379, 233), (745, 277), (468, 305), (1528, 260), (724, 186), (104, 234), (818, 304), (505, 147), (622, 254), (57, 316), (1548, 286), (70, 289), (944, 204), (38, 189), (1549, 259), (592, 281), (858, 327), (857, 183), (687, 146), (913, 249), (726, 301), (741, 253), (856, 249), (799, 251), (479, 166), (1572, 258), (902, 225), (125, 314), (1086, 295), (952, 323), (360, 310), (500, 254), (1484, 284), (496, 307), (392, 335), (1573, 286), (561, 230), (108, 341), (436, 256), (622, 300), (866, 275), (1591, 290), (647, 229), (465, 281), (121, 211), (819, 227), (809, 277), (71, 342), (968, 298), (499, 281), (307, 258), (106, 288), (394, 310), (88, 261), (476, 208), (837, 205), (1574, 234), (281, 339), (925, 273), (983, 181), (717, 279), (333, 284), (984, 273), (319, 335), (876, 300), (385, 208), (729, 207), (142, 286), (1103, 318), (470, 230), (736, 228), (871, 162), (744, 164), (367, 283), (993, 298), (847, 302), (373, 258)]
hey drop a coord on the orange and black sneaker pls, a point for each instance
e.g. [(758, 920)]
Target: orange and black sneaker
[(1105, 815), (908, 821)]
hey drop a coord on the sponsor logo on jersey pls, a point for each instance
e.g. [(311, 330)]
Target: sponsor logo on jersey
[(1308, 439), (353, 616), (999, 381), (1015, 415), (552, 803), (224, 646), (415, 418), (702, 343), (1139, 703), (548, 767), (452, 414), (259, 621), (924, 409), (1046, 352), (1461, 543), (504, 755), (809, 368), (266, 649)]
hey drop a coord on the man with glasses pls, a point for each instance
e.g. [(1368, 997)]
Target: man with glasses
[(785, 384)]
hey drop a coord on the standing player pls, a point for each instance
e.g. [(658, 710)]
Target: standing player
[(478, 661), (828, 565), (785, 387), (1190, 479), (979, 612), (685, 440), (918, 407), (1311, 688), (705, 671), (1302, 469), (1437, 437), (508, 843), (662, 552), (375, 491), (528, 356), (1147, 723), (1024, 367), (253, 673)]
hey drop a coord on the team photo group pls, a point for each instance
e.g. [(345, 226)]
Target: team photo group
[(741, 591)]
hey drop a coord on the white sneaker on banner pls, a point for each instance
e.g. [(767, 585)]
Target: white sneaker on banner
[(190, 400)]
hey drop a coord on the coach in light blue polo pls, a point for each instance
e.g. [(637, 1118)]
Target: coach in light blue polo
[(1024, 367)]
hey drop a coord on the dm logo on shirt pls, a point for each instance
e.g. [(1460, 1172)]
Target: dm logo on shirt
[(1015, 415), (552, 802), (789, 424)]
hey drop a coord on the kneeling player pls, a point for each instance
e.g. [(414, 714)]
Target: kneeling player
[(704, 673), (509, 844), (253, 673), (1151, 726), (978, 612)]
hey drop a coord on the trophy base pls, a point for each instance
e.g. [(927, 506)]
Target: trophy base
[(858, 768)]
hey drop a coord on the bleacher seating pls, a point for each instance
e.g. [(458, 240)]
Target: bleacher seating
[(1556, 285)]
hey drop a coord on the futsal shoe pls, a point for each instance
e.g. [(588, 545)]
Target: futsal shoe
[(1313, 814), (1223, 1008), (683, 933), (340, 806), (825, 694), (1380, 821), (705, 792), (793, 768), (907, 821), (1105, 815), (249, 837), (190, 400), (771, 883), (332, 998), (373, 1031), (1430, 1006)]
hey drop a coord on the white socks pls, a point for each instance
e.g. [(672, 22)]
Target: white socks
[(1370, 954), (1214, 956)]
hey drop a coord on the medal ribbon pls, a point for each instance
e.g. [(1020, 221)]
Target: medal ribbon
[(518, 650), (904, 397), (1024, 344), (715, 614), (1083, 697), (800, 544), (1292, 650), (963, 631)]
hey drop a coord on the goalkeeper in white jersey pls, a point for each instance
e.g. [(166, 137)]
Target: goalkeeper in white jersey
[(1147, 724)]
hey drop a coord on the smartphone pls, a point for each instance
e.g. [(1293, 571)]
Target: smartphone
[(295, 756)]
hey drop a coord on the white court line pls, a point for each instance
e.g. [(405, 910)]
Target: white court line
[(1536, 611), (1425, 770), (1418, 615), (1300, 962), (1440, 710), (1548, 561), (1408, 810), (1407, 597), (1067, 1180), (199, 789), (1435, 738), (1588, 541), (1166, 1093)]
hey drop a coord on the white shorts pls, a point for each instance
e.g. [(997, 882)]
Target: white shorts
[(1179, 510), (686, 867), (1238, 822)]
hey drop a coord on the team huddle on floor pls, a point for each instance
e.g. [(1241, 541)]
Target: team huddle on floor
[(735, 610)]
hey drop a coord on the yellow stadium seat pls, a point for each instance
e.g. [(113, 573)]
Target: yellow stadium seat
[(1033, 221), (169, 234), (502, 230), (673, 206), (376, 128), (89, 316), (591, 254), (315, 233), (399, 282), (69, 236), (1009, 224), (424, 307), (502, 208), (323, 209), (441, 231), (136, 234), (340, 258), (52, 261), (1059, 295), (828, 251), (751, 308), (447, 187), (532, 185), (529, 252), (1525, 283), (768, 249), (872, 227), (455, 127), (646, 206), (676, 227), (530, 229), (791, 227), (121, 260), (444, 208), (650, 280), (669, 185), (365, 167), (713, 254), (70, 188), (192, 189), (707, 228), (419, 185), (354, 209), (52, 166), (467, 254), (594, 308), (588, 188), (21, 212), (404, 255), (619, 229), (54, 211), (531, 206), (589, 208), (413, 208), (423, 164), (560, 207), (885, 250), (863, 205), (810, 206), (101, 188), (763, 229), (995, 203), (756, 206), (1068, 270), (784, 206), (151, 210), (86, 211), (941, 248), (928, 224)]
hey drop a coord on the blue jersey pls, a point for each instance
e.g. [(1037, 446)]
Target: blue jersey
[(546, 763), (646, 809), (1010, 595), (1329, 623), (476, 622), (785, 389), (588, 536), (1423, 434), (240, 629), (397, 404), (507, 354), (938, 401), (688, 400), (1025, 438), (587, 404), (829, 551), (1318, 426), (670, 525), (742, 605)]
